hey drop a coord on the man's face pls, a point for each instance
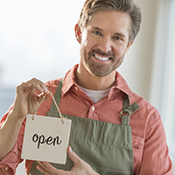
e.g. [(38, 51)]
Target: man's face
[(104, 42)]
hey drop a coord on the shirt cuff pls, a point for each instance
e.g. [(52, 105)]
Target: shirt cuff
[(10, 162), (5, 170)]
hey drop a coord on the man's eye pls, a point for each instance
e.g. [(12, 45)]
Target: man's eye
[(97, 32), (117, 38)]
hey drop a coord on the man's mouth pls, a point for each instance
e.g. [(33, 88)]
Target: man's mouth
[(102, 58)]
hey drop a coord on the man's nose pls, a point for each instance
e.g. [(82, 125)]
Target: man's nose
[(105, 44)]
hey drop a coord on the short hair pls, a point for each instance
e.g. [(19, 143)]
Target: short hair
[(125, 6)]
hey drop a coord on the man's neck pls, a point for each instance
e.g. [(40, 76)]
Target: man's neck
[(89, 81)]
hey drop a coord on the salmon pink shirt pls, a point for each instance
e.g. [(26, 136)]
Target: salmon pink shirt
[(151, 155)]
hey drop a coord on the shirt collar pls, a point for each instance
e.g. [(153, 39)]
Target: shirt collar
[(122, 85), (69, 81)]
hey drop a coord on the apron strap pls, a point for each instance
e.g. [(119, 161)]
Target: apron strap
[(57, 97), (127, 110), (126, 101)]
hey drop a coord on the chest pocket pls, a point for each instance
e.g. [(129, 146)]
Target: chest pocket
[(138, 144)]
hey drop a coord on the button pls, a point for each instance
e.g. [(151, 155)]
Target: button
[(76, 88), (6, 168), (93, 108)]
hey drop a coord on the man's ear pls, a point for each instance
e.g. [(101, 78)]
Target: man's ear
[(78, 33), (128, 46)]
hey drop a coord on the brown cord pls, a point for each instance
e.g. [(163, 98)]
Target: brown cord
[(61, 116)]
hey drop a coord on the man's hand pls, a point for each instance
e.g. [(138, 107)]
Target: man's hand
[(27, 101), (80, 167)]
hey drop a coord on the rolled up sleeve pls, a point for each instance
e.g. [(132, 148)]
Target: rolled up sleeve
[(156, 160), (10, 162)]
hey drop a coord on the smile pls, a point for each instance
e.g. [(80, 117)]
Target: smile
[(101, 58)]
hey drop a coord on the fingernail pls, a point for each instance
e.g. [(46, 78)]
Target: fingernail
[(28, 84), (70, 149), (46, 90), (40, 89)]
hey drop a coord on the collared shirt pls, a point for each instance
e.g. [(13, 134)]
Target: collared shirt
[(148, 136)]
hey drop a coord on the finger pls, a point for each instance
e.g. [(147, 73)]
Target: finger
[(47, 96), (42, 170), (42, 97), (22, 87), (41, 164), (73, 156), (39, 85), (48, 169)]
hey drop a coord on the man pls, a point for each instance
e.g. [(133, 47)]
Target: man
[(114, 131)]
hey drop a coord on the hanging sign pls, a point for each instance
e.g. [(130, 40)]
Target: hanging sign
[(46, 139)]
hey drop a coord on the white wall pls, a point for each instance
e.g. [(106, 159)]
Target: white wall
[(137, 66)]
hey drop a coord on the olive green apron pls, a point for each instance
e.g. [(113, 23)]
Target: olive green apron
[(107, 147)]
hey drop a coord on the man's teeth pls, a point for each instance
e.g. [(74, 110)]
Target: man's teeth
[(101, 58)]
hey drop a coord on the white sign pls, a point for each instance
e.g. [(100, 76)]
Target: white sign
[(46, 139)]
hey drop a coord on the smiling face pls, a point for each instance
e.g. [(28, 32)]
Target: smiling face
[(104, 42)]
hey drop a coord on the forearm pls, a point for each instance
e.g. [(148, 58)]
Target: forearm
[(8, 134)]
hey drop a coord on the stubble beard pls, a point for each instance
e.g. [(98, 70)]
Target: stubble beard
[(100, 69)]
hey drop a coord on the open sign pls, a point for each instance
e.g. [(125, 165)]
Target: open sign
[(46, 139)]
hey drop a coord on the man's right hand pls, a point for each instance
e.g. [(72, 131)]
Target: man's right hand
[(27, 97)]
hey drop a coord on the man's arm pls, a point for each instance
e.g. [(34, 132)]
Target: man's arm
[(156, 158), (9, 133), (26, 102)]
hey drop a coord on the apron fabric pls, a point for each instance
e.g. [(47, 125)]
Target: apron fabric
[(106, 147)]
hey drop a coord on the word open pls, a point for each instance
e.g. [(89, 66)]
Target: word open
[(49, 140)]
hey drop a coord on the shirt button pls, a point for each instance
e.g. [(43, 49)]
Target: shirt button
[(93, 108), (76, 88), (6, 168)]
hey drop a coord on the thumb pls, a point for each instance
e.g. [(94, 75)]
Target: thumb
[(43, 96), (73, 156)]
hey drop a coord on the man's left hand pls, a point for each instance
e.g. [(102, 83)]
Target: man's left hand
[(80, 167)]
